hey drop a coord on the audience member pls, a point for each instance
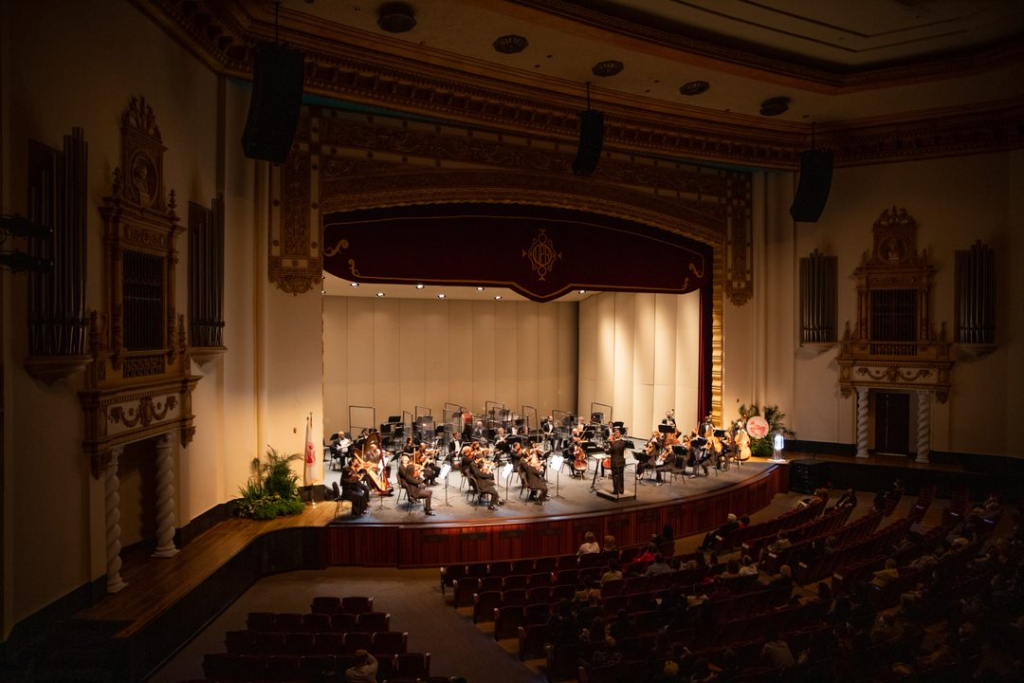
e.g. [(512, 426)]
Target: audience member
[(364, 670), (589, 544)]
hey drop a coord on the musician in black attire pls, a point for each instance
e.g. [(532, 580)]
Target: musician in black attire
[(534, 471), (355, 490), (485, 482), (415, 487), (617, 453)]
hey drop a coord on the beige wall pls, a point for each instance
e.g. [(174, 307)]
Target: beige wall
[(396, 354), (639, 354), (53, 70), (955, 202)]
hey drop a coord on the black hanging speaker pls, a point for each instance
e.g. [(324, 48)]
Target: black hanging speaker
[(815, 181), (276, 99), (591, 140)]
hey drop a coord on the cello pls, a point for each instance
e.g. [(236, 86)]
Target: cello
[(579, 463)]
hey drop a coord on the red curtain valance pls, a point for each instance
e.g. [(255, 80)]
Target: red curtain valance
[(539, 252)]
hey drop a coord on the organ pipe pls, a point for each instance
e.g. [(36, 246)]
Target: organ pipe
[(975, 295), (818, 298)]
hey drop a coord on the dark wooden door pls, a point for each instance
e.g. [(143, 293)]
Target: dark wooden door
[(892, 423)]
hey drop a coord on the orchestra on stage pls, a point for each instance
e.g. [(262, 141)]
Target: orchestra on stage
[(499, 449)]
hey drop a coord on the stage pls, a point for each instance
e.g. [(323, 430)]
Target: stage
[(568, 496)]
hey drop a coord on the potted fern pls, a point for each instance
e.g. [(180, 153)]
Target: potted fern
[(272, 489)]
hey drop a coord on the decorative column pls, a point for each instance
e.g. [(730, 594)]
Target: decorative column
[(165, 513), (112, 508), (862, 422), (924, 426)]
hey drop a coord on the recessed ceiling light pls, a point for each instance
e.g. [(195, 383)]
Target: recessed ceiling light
[(419, 286), (694, 88), (380, 293), (440, 296), (353, 284), (607, 68), (323, 291), (583, 291), (479, 289), (498, 298)]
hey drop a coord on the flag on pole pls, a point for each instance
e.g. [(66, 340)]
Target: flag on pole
[(310, 477)]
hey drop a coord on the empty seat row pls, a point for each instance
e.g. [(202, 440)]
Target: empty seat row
[(342, 622), (248, 642)]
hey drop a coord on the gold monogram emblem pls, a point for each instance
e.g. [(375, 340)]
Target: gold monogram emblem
[(542, 254)]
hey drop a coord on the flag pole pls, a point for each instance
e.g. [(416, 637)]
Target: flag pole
[(309, 437)]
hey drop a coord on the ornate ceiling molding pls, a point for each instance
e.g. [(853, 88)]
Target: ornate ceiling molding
[(223, 37), (783, 68)]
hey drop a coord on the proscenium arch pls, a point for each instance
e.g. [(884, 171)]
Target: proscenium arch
[(705, 222)]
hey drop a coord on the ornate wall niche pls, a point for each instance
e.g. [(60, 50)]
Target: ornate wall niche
[(138, 383), (893, 347)]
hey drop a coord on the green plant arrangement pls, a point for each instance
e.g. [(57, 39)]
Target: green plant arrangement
[(271, 490), (762, 446)]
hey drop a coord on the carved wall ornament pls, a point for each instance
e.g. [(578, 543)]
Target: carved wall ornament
[(140, 350), (542, 254), (145, 413), (894, 341), (894, 374)]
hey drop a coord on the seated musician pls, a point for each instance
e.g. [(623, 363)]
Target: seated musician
[(482, 472), (699, 454), (501, 442), (466, 466), (534, 470), (415, 486), (374, 457), (653, 458), (427, 457), (355, 490)]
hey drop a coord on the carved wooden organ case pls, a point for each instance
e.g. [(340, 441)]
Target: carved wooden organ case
[(894, 344), (139, 383)]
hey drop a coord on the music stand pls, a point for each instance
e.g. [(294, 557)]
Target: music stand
[(557, 461), (506, 473), (446, 469), (666, 429), (597, 465)]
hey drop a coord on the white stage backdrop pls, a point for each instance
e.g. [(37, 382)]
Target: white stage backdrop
[(396, 354), (640, 354)]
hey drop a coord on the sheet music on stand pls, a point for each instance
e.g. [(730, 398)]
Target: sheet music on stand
[(506, 471), (556, 462), (445, 470)]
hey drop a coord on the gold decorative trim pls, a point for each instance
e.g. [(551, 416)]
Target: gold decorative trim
[(542, 254), (894, 263), (422, 186), (717, 334), (357, 73)]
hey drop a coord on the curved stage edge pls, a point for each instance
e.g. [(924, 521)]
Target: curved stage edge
[(471, 540)]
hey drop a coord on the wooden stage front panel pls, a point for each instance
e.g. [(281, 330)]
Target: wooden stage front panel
[(426, 545)]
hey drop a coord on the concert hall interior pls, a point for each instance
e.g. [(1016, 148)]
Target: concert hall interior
[(231, 226)]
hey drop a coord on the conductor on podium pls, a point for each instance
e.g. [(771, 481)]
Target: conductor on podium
[(617, 453)]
